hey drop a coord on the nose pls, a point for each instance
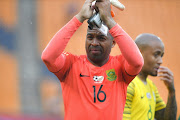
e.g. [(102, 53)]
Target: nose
[(95, 42), (160, 61)]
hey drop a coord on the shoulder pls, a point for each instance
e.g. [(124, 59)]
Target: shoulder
[(150, 82), (73, 56), (152, 85), (117, 57), (82, 56), (136, 84), (135, 81)]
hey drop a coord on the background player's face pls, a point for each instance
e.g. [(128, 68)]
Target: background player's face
[(98, 46), (152, 55)]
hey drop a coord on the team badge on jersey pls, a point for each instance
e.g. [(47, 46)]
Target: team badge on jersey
[(111, 75), (98, 79)]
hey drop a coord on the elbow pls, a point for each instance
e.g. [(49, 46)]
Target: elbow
[(138, 66), (44, 57), (140, 63), (135, 67)]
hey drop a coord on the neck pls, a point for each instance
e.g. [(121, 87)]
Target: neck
[(98, 63), (142, 76)]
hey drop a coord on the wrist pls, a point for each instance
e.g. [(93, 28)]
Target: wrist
[(171, 91), (110, 22), (80, 18)]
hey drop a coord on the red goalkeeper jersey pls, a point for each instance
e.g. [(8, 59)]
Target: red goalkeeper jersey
[(91, 92)]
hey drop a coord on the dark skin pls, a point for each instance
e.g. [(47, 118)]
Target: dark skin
[(98, 46), (152, 50), (104, 9)]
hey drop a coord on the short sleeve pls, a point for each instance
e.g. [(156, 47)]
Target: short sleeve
[(129, 99), (159, 101)]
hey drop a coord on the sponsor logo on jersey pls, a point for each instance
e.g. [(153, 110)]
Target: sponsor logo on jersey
[(84, 75), (98, 79), (111, 75), (148, 95), (142, 97)]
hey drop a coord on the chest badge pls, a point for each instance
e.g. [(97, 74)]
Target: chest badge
[(111, 75), (98, 79)]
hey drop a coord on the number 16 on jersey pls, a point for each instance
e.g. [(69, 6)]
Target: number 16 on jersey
[(96, 95)]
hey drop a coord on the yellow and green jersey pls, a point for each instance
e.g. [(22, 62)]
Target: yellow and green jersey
[(142, 101)]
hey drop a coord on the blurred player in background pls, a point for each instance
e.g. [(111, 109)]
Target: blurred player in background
[(94, 85), (143, 101)]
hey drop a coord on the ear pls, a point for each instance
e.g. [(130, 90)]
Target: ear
[(113, 43)]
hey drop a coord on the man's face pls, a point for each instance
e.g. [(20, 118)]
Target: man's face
[(152, 55), (98, 46)]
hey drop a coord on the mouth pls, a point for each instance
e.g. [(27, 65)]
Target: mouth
[(156, 68), (94, 50)]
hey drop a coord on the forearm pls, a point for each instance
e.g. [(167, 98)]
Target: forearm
[(58, 43), (130, 51), (171, 108)]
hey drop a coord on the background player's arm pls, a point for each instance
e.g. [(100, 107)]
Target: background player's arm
[(169, 113)]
